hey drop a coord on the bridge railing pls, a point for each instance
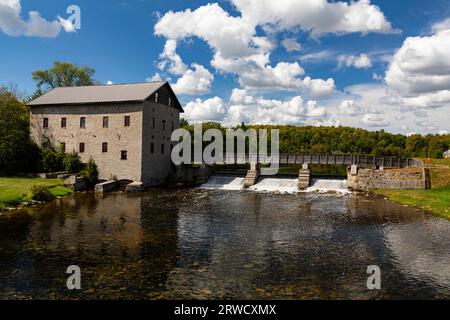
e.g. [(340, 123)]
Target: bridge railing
[(315, 158)]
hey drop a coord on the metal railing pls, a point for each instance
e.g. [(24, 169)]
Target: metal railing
[(323, 159)]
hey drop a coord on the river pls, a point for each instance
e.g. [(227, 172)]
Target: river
[(223, 244)]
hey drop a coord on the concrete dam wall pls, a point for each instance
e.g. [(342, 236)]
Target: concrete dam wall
[(360, 179)]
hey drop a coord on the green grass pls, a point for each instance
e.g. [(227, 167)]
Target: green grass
[(14, 191), (435, 200), (437, 162)]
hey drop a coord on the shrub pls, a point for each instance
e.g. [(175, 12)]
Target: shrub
[(90, 173), (41, 193), (72, 162), (52, 160)]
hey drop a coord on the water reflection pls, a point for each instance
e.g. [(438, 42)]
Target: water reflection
[(182, 244)]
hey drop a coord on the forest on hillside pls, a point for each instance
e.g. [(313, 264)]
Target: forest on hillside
[(347, 140)]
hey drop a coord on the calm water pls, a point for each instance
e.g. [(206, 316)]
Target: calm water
[(174, 244)]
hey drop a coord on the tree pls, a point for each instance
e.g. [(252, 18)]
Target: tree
[(63, 74), (90, 173), (17, 151), (53, 160)]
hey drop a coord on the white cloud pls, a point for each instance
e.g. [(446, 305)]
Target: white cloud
[(377, 77), (360, 62), (317, 16), (238, 50), (207, 110), (441, 26), (109, 83), (419, 73), (240, 96), (12, 24), (350, 108), (171, 59), (156, 77), (284, 76), (291, 44), (243, 107), (374, 120), (66, 25), (196, 81), (229, 36), (290, 112), (318, 57), (375, 100), (258, 110)]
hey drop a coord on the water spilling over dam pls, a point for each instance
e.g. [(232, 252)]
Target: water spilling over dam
[(224, 182), (328, 185), (277, 184)]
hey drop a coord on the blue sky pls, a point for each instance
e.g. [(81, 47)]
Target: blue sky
[(241, 60)]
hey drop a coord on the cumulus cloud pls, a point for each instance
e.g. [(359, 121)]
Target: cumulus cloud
[(293, 111), (350, 108), (171, 59), (317, 17), (12, 23), (205, 110), (374, 120), (237, 49), (156, 77), (360, 62), (195, 81), (441, 26), (244, 107), (291, 44), (66, 25), (285, 76), (377, 77), (419, 73)]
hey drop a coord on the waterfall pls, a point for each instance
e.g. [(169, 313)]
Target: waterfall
[(224, 182), (328, 185), (275, 184), (282, 185)]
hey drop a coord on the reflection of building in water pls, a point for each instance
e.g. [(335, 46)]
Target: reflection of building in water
[(107, 236), (158, 242)]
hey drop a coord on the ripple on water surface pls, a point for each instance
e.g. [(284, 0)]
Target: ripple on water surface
[(194, 243)]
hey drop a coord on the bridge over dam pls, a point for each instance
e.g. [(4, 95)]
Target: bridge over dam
[(364, 172)]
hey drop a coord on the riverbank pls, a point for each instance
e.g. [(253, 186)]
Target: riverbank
[(15, 191), (436, 199)]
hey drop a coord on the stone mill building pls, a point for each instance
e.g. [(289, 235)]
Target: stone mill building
[(126, 128)]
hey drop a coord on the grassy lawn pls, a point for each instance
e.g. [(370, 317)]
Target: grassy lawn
[(436, 200), (14, 191)]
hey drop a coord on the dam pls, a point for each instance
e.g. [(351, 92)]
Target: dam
[(283, 184), (362, 174)]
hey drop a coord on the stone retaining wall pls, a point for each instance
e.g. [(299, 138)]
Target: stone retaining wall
[(401, 179)]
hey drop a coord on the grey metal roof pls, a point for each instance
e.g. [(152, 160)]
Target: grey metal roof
[(98, 94)]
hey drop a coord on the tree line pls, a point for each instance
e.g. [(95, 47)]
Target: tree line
[(348, 140)]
